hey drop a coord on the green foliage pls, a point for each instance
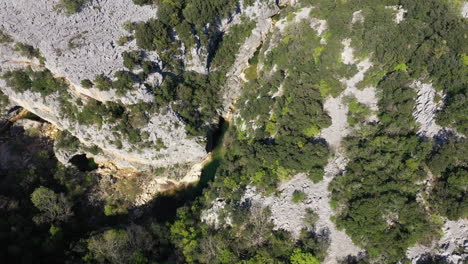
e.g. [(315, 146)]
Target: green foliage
[(18, 80), (379, 191), (264, 163), (201, 12), (229, 45), (454, 114), (298, 196), (251, 72), (42, 82), (184, 30), (250, 238), (195, 98), (449, 165), (27, 50), (152, 35), (54, 207), (299, 257), (357, 112), (124, 40), (396, 103), (72, 6), (102, 83), (131, 59), (371, 78), (4, 100), (5, 38), (86, 83), (400, 67), (89, 115), (123, 83), (121, 245)]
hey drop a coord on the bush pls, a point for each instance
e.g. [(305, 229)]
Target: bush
[(298, 196), (27, 50), (152, 35), (131, 59), (18, 80), (229, 45), (72, 6), (42, 82), (5, 38), (103, 83), (357, 112), (86, 83), (121, 245)]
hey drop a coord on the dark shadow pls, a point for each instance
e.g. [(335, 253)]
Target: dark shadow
[(83, 163), (215, 134)]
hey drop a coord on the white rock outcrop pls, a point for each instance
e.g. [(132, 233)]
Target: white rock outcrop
[(337, 110), (261, 12), (464, 10), (426, 109), (452, 246), (78, 46), (81, 46)]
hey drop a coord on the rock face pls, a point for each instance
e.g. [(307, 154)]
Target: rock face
[(426, 109), (261, 12), (167, 127), (79, 46)]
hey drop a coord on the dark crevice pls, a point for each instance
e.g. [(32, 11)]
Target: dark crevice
[(215, 134), (83, 163)]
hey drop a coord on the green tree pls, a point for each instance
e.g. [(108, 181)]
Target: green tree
[(54, 207), (121, 246), (299, 257)]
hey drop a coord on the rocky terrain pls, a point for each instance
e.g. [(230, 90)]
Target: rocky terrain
[(80, 46), (75, 47), (451, 247)]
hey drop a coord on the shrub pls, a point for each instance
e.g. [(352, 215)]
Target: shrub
[(298, 196), (27, 50), (18, 80), (124, 40), (42, 82), (251, 72), (131, 59), (229, 45), (5, 38), (86, 83), (152, 35), (72, 6), (103, 83)]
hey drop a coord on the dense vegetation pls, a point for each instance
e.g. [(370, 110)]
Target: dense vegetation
[(42, 82), (376, 198), (47, 217), (396, 192), (449, 166)]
